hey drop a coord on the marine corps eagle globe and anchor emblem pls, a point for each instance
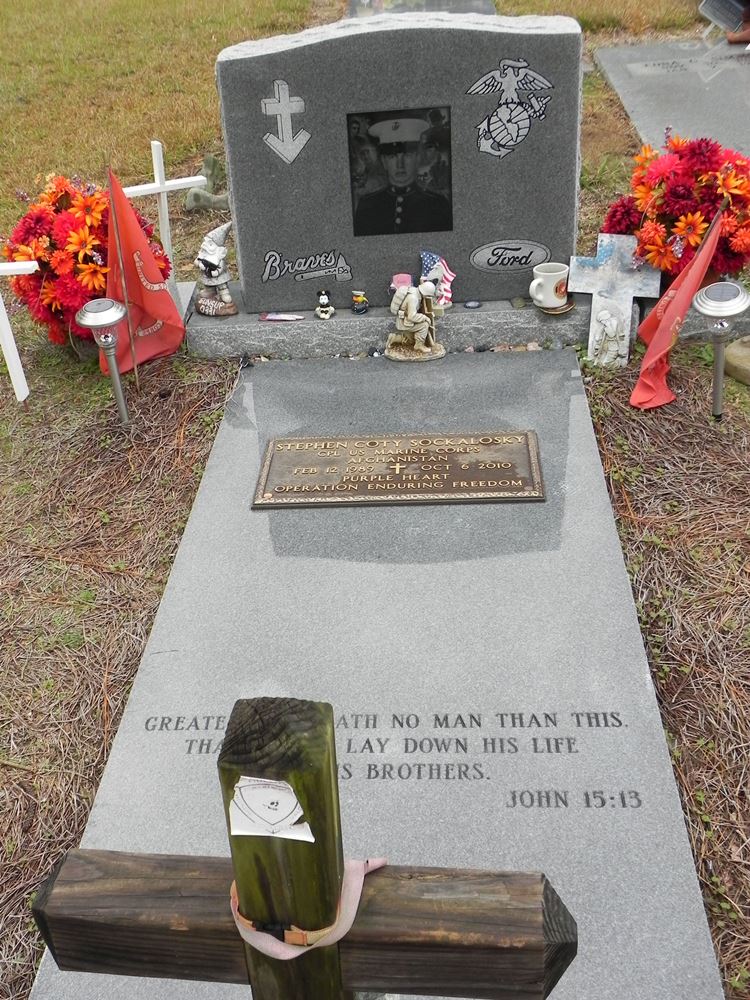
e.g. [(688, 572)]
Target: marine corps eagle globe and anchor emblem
[(508, 125)]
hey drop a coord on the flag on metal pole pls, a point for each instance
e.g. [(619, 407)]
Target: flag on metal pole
[(661, 328), (135, 278)]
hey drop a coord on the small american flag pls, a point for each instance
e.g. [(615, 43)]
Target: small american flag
[(436, 269)]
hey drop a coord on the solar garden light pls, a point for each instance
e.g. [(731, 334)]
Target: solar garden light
[(723, 302), (102, 316)]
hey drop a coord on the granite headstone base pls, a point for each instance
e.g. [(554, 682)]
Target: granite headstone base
[(492, 698), (346, 333), (692, 87), (247, 335)]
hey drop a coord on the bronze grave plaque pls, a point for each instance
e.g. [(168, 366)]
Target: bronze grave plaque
[(400, 468)]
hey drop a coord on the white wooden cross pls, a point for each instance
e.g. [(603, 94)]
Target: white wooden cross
[(613, 282), (7, 342), (161, 188)]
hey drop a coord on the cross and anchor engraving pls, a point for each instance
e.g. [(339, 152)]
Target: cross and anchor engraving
[(286, 144)]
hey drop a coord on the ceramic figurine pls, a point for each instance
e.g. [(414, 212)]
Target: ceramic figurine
[(360, 305), (215, 298), (611, 340), (414, 338), (324, 309)]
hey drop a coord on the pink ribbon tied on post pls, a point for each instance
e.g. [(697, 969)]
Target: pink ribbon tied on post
[(298, 941)]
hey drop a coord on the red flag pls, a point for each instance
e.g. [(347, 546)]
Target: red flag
[(661, 328), (156, 324)]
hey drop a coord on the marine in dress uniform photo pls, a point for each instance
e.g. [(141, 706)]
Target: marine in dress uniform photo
[(405, 204)]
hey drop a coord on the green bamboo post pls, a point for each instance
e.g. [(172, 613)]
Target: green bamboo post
[(287, 881)]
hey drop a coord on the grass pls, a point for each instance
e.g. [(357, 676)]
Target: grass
[(630, 16), (86, 87), (92, 517)]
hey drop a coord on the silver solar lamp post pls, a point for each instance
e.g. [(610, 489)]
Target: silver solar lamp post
[(723, 302), (101, 316)]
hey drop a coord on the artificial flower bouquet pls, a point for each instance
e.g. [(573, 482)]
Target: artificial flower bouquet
[(675, 193), (66, 230)]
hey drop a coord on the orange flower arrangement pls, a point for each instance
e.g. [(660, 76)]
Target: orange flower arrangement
[(66, 231), (675, 193)]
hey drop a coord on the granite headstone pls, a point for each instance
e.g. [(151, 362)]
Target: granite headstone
[(354, 146), (492, 698)]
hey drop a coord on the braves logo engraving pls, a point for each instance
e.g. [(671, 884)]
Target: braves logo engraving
[(317, 265), (509, 124)]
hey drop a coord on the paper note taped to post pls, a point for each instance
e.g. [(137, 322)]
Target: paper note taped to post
[(264, 808)]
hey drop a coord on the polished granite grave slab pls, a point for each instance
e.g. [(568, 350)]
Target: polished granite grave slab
[(493, 701), (693, 88)]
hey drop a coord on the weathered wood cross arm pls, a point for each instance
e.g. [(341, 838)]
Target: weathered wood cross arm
[(423, 931)]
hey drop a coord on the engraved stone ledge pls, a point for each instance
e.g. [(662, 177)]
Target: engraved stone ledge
[(246, 334), (494, 323)]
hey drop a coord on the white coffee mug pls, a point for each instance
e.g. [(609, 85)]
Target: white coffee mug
[(549, 289)]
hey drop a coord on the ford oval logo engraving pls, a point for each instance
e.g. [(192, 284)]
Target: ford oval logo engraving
[(504, 256)]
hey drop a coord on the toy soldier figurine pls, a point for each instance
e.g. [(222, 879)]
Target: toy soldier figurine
[(611, 341), (214, 299), (324, 309), (360, 304), (414, 339)]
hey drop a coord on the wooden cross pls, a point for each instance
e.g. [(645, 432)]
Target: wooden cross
[(613, 282), (7, 341), (442, 932), (161, 188)]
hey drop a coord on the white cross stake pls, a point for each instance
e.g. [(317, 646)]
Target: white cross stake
[(7, 342), (161, 188)]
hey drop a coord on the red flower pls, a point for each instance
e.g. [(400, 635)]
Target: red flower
[(56, 333), (38, 310), (702, 155), (65, 224), (735, 159), (651, 232), (80, 331), (623, 217), (726, 261), (71, 293), (740, 242), (66, 231), (679, 198), (161, 259), (37, 222), (146, 226), (662, 168), (27, 286), (61, 262)]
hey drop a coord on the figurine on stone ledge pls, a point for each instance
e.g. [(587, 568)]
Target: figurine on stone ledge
[(414, 338), (215, 298), (324, 309), (611, 340), (360, 305)]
